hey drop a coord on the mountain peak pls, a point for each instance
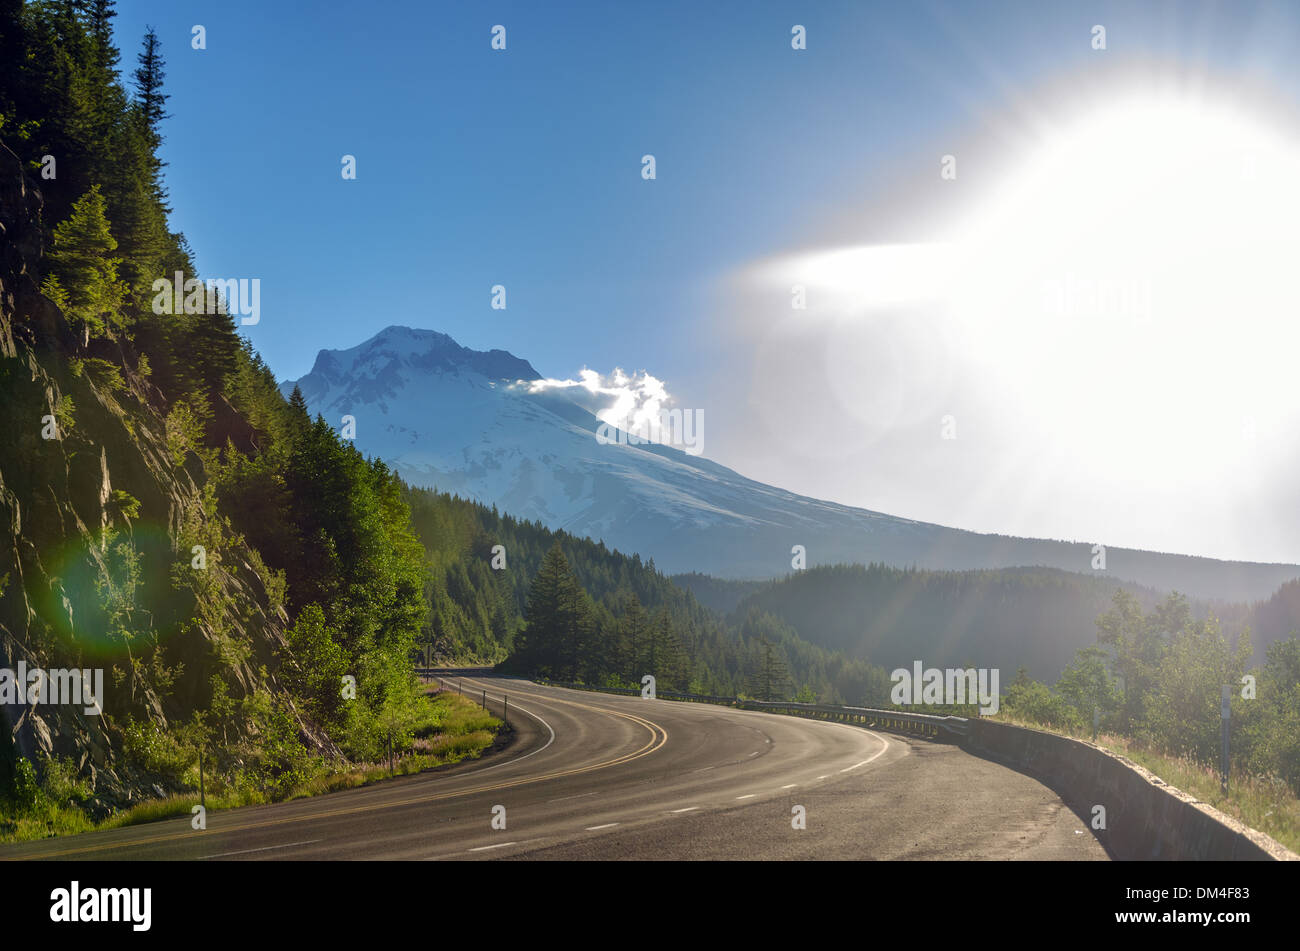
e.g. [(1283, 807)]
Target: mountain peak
[(427, 350)]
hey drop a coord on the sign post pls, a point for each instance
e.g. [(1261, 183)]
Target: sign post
[(1225, 714)]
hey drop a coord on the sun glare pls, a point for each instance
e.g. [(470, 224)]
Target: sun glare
[(1132, 269)]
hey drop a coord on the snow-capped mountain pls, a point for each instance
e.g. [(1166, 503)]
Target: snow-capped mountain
[(466, 422)]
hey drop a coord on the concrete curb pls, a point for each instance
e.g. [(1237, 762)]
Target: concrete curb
[(1145, 817)]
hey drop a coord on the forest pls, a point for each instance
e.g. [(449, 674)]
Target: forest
[(231, 561)]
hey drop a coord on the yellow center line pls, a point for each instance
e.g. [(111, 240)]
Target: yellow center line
[(658, 737)]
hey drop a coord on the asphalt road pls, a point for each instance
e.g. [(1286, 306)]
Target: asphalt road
[(593, 776)]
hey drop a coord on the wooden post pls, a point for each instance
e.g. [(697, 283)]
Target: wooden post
[(1225, 715)]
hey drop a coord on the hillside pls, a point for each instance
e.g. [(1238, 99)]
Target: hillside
[(172, 526), (480, 425), (1036, 618)]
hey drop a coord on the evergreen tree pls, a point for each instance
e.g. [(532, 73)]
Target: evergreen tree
[(148, 84), (558, 618), (99, 19), (634, 628), (83, 279), (663, 654), (770, 677)]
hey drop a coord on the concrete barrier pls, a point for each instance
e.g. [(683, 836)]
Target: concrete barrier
[(1145, 817)]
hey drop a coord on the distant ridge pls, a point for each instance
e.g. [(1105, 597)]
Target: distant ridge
[(452, 418)]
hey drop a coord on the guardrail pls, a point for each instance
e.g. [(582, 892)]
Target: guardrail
[(1147, 818), (927, 725)]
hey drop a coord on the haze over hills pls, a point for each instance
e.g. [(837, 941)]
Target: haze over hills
[(467, 422), (1032, 617)]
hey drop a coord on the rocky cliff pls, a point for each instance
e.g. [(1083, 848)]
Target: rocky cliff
[(99, 518)]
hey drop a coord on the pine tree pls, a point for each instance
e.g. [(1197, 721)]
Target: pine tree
[(99, 17), (634, 628), (558, 617), (769, 678), (663, 653), (83, 279), (140, 197), (148, 83)]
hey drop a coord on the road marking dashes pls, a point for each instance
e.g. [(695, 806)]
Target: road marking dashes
[(791, 786), (607, 825), (749, 796), (484, 848), (687, 809), (268, 848)]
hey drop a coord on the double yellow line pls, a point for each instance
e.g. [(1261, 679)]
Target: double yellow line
[(658, 737)]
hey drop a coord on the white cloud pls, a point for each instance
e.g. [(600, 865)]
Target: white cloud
[(632, 402)]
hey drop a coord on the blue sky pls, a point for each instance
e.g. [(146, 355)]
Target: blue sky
[(522, 168)]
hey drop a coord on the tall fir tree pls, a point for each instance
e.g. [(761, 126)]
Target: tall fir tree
[(83, 277), (149, 77), (558, 620), (769, 678)]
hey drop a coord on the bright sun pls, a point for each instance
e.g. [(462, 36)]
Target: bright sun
[(1126, 290)]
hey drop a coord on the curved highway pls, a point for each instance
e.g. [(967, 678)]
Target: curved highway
[(594, 776)]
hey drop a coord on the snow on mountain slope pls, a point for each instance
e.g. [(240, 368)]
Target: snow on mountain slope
[(460, 421)]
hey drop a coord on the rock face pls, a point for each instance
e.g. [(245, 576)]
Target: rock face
[(76, 510)]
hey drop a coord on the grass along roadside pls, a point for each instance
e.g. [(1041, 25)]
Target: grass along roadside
[(1265, 804), (459, 729)]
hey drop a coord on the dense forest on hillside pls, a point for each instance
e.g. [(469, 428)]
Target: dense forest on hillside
[(720, 595), (632, 619), (229, 561), (232, 564), (1154, 675), (1031, 617), (172, 518)]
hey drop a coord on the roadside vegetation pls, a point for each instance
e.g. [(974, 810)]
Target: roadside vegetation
[(1154, 680), (453, 728)]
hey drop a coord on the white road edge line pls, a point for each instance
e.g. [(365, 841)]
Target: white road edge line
[(484, 848), (884, 745), (526, 755), (268, 848), (607, 825)]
